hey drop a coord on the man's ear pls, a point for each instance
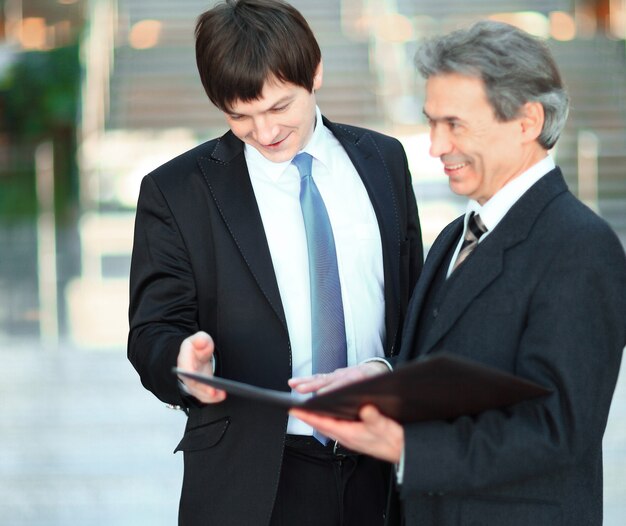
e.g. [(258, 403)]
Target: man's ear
[(531, 121), (318, 77)]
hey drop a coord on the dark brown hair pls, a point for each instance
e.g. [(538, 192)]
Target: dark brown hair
[(240, 44)]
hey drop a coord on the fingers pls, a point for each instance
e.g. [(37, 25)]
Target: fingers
[(310, 384), (348, 433), (321, 383), (205, 393), (374, 420), (387, 435), (374, 434), (196, 354), (324, 381)]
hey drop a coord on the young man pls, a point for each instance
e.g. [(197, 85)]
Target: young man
[(226, 278), (538, 290)]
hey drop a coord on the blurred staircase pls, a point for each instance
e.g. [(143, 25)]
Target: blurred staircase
[(594, 72), (159, 88), (460, 9)]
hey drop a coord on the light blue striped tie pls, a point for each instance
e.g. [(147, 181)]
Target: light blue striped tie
[(328, 330)]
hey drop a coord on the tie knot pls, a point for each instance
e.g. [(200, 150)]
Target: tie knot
[(475, 229), (476, 225), (303, 163)]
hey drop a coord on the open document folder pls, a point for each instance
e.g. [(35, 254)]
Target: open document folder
[(437, 387)]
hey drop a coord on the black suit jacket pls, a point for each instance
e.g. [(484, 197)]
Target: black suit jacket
[(544, 297), (201, 262)]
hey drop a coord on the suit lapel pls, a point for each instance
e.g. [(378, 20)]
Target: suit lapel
[(436, 257), (362, 151), (464, 285), (226, 174), (486, 263)]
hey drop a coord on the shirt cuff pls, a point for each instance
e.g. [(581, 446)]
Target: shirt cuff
[(381, 360)]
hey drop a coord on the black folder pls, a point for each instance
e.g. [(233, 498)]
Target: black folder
[(439, 387)]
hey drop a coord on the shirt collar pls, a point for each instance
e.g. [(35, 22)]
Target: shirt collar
[(320, 144), (503, 200)]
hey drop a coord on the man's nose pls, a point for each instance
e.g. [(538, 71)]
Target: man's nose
[(265, 130), (440, 143)]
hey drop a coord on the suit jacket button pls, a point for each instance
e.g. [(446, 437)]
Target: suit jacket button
[(435, 312)]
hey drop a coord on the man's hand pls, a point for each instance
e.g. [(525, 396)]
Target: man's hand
[(375, 434), (196, 355), (319, 383)]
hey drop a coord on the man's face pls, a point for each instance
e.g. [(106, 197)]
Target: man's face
[(280, 122), (479, 153)]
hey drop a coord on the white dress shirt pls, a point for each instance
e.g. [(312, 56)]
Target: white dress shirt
[(358, 244)]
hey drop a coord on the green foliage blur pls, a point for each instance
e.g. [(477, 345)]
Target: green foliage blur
[(39, 101)]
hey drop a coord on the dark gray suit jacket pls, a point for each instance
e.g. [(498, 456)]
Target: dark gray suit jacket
[(543, 297), (201, 262)]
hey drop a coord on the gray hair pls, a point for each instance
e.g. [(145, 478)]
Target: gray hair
[(515, 68)]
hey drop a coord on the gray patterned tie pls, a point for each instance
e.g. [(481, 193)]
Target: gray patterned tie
[(328, 331), (475, 229)]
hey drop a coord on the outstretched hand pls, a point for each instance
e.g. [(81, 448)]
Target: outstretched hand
[(196, 355)]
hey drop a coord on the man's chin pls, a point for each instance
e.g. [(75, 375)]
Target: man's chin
[(279, 155), (276, 154), (456, 187)]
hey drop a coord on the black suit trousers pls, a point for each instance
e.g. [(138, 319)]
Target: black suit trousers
[(320, 488)]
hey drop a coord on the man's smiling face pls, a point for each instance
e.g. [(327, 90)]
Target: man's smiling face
[(280, 122), (480, 154)]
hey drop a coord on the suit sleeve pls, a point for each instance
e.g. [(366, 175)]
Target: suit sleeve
[(571, 336), (163, 308), (415, 247)]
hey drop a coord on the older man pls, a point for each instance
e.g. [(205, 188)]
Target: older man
[(529, 280)]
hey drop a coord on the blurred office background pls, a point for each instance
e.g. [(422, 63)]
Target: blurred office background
[(96, 93)]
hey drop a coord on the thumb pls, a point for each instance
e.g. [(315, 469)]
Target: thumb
[(370, 415), (202, 346)]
